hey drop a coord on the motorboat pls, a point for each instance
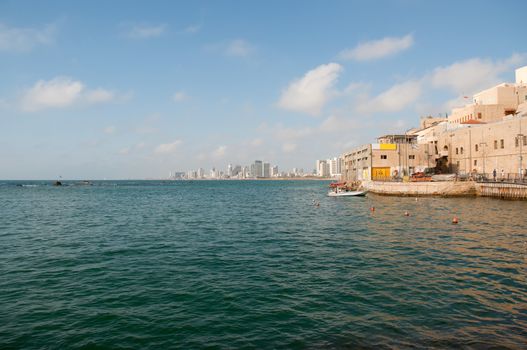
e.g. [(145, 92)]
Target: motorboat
[(344, 193), (343, 189)]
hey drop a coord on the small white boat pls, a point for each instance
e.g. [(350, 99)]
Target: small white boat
[(343, 193)]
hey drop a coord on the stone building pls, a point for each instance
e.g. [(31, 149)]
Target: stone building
[(488, 134)]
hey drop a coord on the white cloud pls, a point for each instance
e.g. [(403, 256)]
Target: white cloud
[(180, 96), (99, 96), (239, 48), (337, 124), (394, 99), (61, 92), (289, 147), (475, 74), (219, 152), (143, 31), (168, 148), (109, 130), (376, 49), (56, 93), (310, 93), (25, 39)]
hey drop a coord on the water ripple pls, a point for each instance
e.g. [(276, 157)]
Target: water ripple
[(256, 265)]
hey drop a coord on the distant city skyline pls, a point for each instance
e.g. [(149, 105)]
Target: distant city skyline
[(119, 90), (327, 168)]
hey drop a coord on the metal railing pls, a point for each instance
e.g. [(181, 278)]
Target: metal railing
[(505, 177)]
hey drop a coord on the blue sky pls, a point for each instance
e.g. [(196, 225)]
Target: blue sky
[(129, 89)]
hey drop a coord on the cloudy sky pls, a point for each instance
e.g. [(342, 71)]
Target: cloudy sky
[(123, 89)]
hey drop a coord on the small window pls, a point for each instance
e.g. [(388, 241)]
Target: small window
[(516, 141), (502, 143), (495, 144), (457, 150), (383, 156), (411, 156), (475, 162), (479, 116), (525, 140), (477, 148), (461, 150)]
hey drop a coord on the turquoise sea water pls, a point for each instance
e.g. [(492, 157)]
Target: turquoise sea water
[(254, 264)]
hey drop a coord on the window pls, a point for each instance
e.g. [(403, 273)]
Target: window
[(502, 143), (495, 144), (516, 141), (475, 162), (461, 150), (411, 156), (476, 148), (383, 156), (479, 116), (525, 140), (457, 150)]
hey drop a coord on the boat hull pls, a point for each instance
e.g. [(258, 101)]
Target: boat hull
[(347, 194)]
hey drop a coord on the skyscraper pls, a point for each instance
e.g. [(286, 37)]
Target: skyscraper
[(335, 166), (322, 168), (266, 170), (258, 169)]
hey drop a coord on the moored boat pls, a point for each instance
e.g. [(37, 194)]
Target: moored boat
[(344, 193), (343, 189)]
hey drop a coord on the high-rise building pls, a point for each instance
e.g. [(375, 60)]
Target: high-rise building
[(258, 169), (274, 171), (335, 166), (201, 173), (229, 170), (322, 168), (266, 170), (213, 173), (236, 171)]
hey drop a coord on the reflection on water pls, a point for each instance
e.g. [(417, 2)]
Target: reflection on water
[(256, 264)]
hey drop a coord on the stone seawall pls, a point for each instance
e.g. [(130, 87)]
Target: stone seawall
[(502, 190), (446, 188)]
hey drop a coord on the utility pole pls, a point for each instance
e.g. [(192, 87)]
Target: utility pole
[(483, 145)]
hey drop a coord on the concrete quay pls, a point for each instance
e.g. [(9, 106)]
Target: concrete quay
[(412, 189), (502, 190)]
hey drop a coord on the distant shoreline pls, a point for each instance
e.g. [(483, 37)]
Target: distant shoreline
[(177, 180)]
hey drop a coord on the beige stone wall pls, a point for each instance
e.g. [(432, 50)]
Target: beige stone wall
[(357, 163), (480, 113), (521, 76), (447, 188), (504, 94), (404, 160), (486, 147)]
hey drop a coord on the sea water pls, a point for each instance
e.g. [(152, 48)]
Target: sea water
[(255, 264)]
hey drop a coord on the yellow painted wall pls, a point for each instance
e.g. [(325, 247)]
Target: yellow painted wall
[(380, 173)]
